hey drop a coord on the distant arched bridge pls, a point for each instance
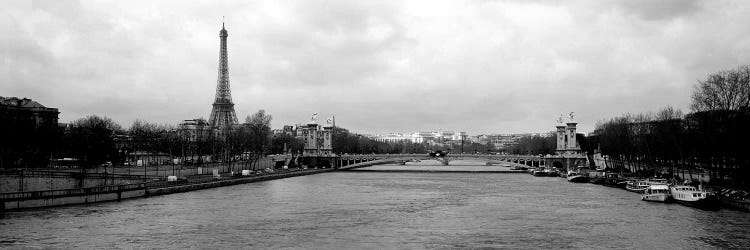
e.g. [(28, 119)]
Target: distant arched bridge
[(358, 161)]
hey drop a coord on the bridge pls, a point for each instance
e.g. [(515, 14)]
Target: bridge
[(346, 161)]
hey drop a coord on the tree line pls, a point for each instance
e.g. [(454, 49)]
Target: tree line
[(712, 137), (535, 145), (95, 140), (345, 142), (98, 140)]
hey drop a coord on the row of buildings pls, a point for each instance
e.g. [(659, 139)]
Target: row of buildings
[(501, 141), (448, 137), (440, 138)]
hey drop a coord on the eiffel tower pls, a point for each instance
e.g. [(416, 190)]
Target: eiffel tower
[(222, 113)]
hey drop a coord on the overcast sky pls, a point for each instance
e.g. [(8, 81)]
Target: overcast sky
[(378, 66)]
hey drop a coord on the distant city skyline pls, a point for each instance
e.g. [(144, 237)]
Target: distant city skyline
[(482, 67)]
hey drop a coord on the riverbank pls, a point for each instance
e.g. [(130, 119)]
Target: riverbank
[(170, 189), (63, 197), (729, 198)]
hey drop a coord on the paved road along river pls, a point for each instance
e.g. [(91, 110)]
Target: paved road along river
[(352, 210)]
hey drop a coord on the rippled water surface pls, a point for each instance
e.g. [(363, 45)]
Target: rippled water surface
[(352, 210)]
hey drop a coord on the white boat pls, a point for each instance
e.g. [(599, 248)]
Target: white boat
[(656, 192), (694, 197), (639, 186)]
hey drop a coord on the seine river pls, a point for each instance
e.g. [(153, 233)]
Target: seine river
[(384, 210)]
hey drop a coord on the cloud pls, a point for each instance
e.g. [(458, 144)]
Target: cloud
[(476, 66), (330, 43), (661, 10)]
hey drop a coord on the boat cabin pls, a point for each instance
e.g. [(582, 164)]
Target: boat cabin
[(657, 189)]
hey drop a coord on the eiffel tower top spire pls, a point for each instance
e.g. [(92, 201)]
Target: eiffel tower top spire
[(223, 32), (222, 113)]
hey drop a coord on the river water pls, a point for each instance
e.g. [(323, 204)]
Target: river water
[(383, 210)]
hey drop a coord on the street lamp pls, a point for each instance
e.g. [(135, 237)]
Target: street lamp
[(463, 137)]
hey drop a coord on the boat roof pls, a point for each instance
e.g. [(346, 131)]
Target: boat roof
[(659, 186), (685, 187)]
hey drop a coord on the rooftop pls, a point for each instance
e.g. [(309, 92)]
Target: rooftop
[(20, 102)]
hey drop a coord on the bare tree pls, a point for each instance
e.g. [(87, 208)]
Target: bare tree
[(259, 125), (669, 113), (92, 139), (725, 90)]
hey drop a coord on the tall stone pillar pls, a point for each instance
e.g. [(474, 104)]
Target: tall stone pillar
[(311, 145), (570, 131), (327, 137), (561, 139)]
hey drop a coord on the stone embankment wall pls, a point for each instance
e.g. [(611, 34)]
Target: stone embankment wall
[(35, 199), (29, 181), (229, 182), (50, 198)]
